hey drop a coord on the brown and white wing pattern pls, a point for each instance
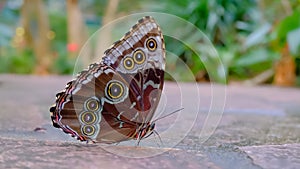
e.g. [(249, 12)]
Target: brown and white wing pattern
[(115, 100)]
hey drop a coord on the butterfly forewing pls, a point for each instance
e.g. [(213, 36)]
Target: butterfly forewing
[(114, 100)]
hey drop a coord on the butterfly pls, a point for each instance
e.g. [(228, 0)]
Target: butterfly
[(115, 99)]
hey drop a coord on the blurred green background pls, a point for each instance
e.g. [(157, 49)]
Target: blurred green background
[(258, 41)]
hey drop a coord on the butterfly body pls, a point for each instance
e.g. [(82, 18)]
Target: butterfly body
[(114, 100)]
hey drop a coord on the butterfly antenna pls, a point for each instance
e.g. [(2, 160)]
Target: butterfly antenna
[(167, 115)]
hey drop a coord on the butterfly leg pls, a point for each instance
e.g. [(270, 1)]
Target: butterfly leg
[(88, 141), (138, 140)]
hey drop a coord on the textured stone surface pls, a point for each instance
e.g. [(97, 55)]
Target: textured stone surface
[(259, 129), (275, 156)]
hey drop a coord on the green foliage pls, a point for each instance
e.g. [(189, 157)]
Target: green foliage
[(62, 64), (17, 62), (240, 30), (58, 24), (226, 23), (7, 24), (216, 18), (248, 35), (253, 62), (288, 31), (12, 60), (288, 24), (189, 57)]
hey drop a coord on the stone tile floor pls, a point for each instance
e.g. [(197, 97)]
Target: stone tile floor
[(260, 128)]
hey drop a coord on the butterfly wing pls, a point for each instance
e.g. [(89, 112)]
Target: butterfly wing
[(113, 100)]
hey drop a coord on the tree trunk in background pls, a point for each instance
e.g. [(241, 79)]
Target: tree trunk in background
[(77, 33), (104, 37), (285, 69), (36, 26), (110, 12)]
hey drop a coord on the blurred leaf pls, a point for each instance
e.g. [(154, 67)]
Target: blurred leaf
[(293, 39), (228, 57), (255, 57), (7, 24), (63, 65), (286, 25), (6, 33), (257, 36), (58, 24), (23, 63)]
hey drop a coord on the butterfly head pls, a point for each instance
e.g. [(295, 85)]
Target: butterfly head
[(150, 128), (145, 131)]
